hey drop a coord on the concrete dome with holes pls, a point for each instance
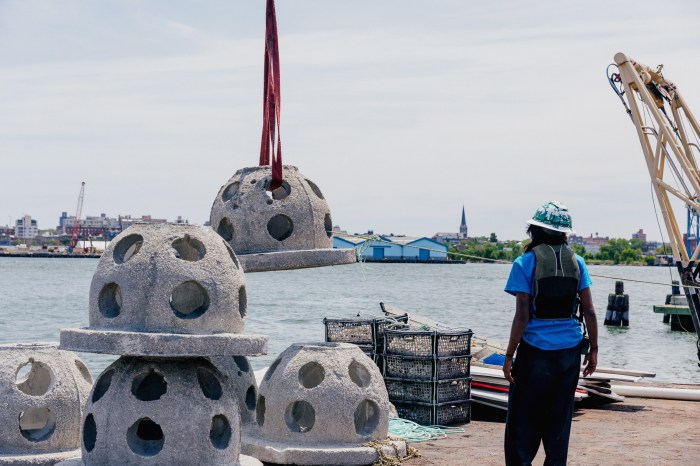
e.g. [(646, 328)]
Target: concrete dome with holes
[(290, 227), (319, 403), (161, 411), (240, 375), (170, 290), (42, 398)]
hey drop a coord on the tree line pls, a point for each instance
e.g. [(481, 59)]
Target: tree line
[(617, 251)]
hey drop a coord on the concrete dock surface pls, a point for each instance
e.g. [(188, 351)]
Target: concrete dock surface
[(638, 431)]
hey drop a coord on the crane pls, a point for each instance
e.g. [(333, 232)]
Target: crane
[(669, 135), (78, 213)]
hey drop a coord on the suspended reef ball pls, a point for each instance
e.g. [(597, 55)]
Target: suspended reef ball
[(286, 228), (44, 391), (319, 403), (167, 290)]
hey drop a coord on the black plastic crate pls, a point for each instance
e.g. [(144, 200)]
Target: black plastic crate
[(456, 412), (410, 390), (453, 343), (420, 413), (368, 350), (357, 331), (408, 367), (454, 367), (452, 390), (409, 342)]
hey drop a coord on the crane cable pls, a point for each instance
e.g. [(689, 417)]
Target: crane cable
[(271, 141)]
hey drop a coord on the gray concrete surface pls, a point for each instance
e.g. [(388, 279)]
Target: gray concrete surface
[(161, 411), (162, 344), (288, 260), (238, 371), (254, 220), (171, 278), (316, 403), (42, 393)]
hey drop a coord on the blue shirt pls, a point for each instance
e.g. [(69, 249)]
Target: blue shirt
[(546, 334)]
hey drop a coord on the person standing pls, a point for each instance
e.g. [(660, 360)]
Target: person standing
[(547, 281)]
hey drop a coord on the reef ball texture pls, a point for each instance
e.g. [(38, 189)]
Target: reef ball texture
[(42, 394), (240, 375), (252, 219), (161, 411), (318, 394), (168, 278)]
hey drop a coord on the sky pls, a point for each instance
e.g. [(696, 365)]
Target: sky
[(402, 111)]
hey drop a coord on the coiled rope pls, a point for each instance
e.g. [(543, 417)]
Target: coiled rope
[(412, 432)]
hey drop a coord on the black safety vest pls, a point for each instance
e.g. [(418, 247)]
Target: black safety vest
[(555, 282)]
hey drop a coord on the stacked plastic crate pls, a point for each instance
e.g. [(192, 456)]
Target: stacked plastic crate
[(365, 332), (427, 375)]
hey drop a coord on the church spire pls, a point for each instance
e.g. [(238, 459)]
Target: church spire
[(463, 226)]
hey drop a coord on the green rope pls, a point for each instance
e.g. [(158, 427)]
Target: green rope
[(412, 432)]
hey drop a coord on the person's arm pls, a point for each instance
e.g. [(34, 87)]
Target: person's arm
[(522, 316), (591, 361)]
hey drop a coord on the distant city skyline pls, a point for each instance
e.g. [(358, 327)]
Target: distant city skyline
[(400, 111)]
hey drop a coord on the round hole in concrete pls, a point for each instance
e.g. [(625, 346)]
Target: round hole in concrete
[(209, 383), (359, 374), (109, 302), (220, 432), (311, 374), (300, 416), (145, 437), (89, 433), (233, 255), (189, 300), (314, 188), (34, 378), (242, 363), (189, 249), (328, 225), (260, 411), (127, 248), (278, 193), (230, 191), (280, 227), (269, 202), (366, 417), (234, 206), (37, 424), (84, 371), (225, 229), (149, 386), (102, 385), (242, 301), (271, 369), (250, 398)]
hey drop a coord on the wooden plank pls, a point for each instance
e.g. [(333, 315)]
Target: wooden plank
[(630, 372)]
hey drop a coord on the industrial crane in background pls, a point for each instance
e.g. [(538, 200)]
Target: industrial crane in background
[(669, 135), (78, 212)]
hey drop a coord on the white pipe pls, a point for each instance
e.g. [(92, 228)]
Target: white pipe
[(684, 394)]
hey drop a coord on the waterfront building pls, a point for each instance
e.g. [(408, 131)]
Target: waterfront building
[(103, 225), (395, 248), (640, 235), (26, 228)]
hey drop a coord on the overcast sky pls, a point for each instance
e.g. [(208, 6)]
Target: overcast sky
[(401, 110)]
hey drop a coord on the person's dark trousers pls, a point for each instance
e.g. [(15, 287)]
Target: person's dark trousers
[(541, 404)]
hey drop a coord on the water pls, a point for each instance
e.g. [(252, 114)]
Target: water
[(38, 297)]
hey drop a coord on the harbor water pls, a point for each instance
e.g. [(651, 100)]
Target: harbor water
[(38, 297)]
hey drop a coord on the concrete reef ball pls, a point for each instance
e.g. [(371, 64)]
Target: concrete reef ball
[(42, 396), (322, 394), (239, 372), (252, 219), (161, 411), (172, 278)]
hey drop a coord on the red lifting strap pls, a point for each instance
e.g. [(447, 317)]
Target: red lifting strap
[(271, 153)]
